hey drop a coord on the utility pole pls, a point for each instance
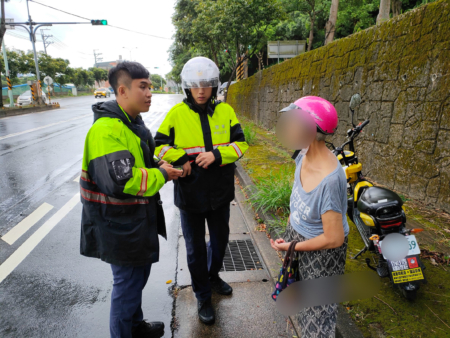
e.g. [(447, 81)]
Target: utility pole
[(32, 31), (10, 93), (33, 42), (44, 40), (97, 58)]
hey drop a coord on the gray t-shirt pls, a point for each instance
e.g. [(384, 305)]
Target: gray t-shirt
[(307, 208)]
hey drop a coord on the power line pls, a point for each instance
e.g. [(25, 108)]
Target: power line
[(121, 28), (56, 9), (18, 35)]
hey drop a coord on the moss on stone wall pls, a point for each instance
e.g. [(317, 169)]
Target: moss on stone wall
[(401, 68)]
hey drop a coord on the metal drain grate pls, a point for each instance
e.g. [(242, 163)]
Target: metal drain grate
[(241, 256)]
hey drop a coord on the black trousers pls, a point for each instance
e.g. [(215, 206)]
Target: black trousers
[(205, 260)]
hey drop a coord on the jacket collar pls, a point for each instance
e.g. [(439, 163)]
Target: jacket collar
[(210, 106), (113, 110)]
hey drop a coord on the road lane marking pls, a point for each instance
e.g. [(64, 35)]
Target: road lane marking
[(15, 233), (42, 127), (155, 121), (24, 250), (77, 179)]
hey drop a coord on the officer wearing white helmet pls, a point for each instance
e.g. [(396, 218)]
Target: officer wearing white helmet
[(204, 137)]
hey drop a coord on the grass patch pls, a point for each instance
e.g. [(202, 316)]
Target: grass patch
[(250, 134), (279, 224), (273, 192)]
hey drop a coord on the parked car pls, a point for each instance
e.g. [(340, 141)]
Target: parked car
[(111, 90), (224, 86), (102, 92), (25, 98)]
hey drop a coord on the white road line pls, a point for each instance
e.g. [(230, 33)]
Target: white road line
[(77, 179), (46, 126), (24, 250), (154, 122), (15, 233)]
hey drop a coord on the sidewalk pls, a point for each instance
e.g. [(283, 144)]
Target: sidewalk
[(249, 311)]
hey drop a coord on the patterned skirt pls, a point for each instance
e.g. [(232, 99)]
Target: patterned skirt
[(318, 321)]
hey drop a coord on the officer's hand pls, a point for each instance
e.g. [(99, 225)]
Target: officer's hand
[(186, 169), (160, 163), (205, 159), (172, 173)]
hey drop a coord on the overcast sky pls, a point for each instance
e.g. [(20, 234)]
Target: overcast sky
[(77, 42)]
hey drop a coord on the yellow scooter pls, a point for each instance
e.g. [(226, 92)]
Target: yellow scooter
[(376, 213)]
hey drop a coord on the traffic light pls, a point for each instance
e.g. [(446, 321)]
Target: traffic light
[(99, 22)]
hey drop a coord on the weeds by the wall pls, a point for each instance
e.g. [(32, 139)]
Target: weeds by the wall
[(250, 134), (273, 192)]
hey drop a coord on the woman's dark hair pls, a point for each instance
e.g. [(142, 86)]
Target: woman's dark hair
[(125, 72)]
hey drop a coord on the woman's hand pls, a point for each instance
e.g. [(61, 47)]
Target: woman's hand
[(279, 244)]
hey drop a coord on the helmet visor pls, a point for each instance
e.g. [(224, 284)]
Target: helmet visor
[(200, 83), (290, 107)]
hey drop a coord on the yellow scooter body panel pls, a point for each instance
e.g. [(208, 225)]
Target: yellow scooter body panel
[(352, 171), (368, 220), (359, 186)]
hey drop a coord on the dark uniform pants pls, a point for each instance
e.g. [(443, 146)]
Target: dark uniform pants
[(205, 260), (126, 298)]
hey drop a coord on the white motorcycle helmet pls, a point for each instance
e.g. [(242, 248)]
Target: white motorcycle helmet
[(200, 72)]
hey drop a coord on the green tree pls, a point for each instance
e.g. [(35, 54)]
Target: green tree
[(237, 26), (156, 80), (99, 74), (17, 64), (314, 9), (82, 77)]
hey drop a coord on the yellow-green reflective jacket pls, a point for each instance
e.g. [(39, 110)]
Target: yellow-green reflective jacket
[(186, 132), (122, 213)]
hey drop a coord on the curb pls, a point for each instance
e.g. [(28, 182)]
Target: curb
[(22, 111), (345, 327)]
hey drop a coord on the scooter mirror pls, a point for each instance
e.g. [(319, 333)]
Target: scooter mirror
[(355, 101)]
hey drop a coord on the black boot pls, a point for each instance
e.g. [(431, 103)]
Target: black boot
[(148, 330), (221, 287), (206, 312)]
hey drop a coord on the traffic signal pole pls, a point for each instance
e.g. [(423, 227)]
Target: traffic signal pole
[(32, 32)]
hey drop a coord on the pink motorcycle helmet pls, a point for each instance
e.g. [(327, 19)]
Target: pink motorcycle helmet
[(322, 111)]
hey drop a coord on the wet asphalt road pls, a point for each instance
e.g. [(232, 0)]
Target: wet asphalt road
[(47, 289)]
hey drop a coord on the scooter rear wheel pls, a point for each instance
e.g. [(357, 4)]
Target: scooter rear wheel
[(409, 294)]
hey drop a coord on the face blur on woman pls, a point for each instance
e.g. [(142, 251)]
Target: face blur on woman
[(201, 95), (296, 129)]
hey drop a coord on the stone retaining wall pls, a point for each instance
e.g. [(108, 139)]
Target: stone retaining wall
[(402, 70)]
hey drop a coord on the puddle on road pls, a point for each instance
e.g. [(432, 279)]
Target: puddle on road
[(36, 306)]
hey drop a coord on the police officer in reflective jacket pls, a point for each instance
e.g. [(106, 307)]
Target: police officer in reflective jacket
[(204, 136), (122, 213)]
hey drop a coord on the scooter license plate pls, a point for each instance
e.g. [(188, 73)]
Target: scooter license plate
[(413, 245), (403, 276)]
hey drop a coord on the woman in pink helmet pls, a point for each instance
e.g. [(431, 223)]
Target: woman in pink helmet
[(318, 204)]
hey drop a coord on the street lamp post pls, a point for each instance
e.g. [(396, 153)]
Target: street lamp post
[(160, 77), (130, 49)]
